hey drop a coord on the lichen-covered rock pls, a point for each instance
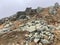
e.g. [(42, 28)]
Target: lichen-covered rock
[(39, 9), (57, 5), (52, 11)]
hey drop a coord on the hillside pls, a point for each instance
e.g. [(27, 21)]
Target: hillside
[(40, 26)]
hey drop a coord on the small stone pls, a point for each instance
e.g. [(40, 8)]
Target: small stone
[(30, 35), (40, 43), (36, 40), (31, 28), (44, 41), (26, 43), (26, 35)]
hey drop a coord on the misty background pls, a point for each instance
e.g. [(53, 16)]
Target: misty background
[(10, 7)]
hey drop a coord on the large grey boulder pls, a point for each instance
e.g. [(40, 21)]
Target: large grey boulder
[(3, 20), (28, 10), (13, 18), (56, 5), (22, 17), (39, 9), (52, 11)]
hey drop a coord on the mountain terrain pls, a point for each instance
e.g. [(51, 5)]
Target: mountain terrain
[(40, 26)]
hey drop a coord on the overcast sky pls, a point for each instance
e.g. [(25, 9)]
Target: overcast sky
[(10, 7)]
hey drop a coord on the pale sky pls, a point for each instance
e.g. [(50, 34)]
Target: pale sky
[(10, 7)]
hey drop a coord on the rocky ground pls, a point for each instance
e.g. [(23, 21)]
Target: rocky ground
[(39, 26)]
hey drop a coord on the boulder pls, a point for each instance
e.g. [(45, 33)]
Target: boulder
[(39, 9), (52, 11), (56, 5)]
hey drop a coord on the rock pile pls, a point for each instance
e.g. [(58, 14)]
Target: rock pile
[(40, 32), (30, 27)]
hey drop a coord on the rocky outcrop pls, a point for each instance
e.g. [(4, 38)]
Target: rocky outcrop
[(40, 26)]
